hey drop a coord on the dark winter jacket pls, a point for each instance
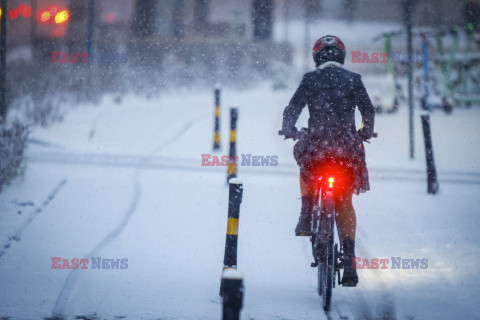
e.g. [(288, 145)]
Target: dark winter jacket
[(331, 94)]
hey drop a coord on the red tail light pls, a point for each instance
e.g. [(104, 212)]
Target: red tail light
[(331, 180)]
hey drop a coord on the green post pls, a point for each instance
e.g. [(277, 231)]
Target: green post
[(451, 60), (388, 51)]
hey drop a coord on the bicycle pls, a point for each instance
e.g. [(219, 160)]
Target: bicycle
[(327, 257)]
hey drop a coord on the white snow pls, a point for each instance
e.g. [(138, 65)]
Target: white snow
[(232, 273), (136, 190), (235, 181)]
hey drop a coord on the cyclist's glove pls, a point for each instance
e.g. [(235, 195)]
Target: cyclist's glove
[(290, 133), (365, 133)]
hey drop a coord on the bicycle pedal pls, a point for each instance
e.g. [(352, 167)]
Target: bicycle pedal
[(348, 283), (302, 234)]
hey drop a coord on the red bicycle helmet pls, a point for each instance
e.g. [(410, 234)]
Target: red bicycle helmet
[(329, 48)]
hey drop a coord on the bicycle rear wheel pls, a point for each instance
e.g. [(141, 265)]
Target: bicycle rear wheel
[(326, 267), (325, 271)]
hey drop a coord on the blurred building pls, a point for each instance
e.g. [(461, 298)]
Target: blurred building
[(247, 19), (426, 13), (166, 18), (219, 36)]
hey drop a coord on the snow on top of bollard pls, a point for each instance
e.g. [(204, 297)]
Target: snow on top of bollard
[(235, 181), (231, 273), (217, 86)]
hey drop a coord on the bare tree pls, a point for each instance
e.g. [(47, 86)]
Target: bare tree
[(262, 19), (313, 8), (143, 20), (200, 16), (178, 19), (349, 8)]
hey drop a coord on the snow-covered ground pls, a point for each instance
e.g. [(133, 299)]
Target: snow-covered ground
[(125, 181)]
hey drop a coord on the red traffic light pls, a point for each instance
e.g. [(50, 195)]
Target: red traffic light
[(43, 16), (23, 10), (62, 16), (109, 17), (53, 14)]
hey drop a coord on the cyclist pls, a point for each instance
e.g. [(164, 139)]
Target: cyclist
[(331, 94)]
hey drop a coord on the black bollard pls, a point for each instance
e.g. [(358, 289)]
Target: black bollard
[(235, 194), (216, 134), (431, 171), (232, 164), (233, 294)]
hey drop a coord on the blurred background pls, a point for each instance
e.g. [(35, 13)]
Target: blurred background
[(106, 107), (186, 43)]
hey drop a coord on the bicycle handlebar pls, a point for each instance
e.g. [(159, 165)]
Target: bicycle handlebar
[(304, 131), (297, 135)]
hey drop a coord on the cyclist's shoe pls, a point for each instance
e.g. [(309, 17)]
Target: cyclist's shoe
[(304, 226), (350, 277)]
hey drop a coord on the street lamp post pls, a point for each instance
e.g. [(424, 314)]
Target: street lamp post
[(3, 63), (408, 20), (90, 26)]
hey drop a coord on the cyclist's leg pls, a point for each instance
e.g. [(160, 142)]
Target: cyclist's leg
[(346, 224), (303, 187), (308, 201), (307, 191), (345, 215)]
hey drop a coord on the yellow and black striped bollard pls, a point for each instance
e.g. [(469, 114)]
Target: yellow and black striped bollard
[(232, 164), (235, 194), (216, 134)]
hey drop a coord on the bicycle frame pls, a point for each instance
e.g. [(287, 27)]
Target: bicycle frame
[(323, 214), (324, 249)]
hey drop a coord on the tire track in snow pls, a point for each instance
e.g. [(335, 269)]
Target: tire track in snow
[(388, 302), (359, 307), (60, 310), (18, 233)]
